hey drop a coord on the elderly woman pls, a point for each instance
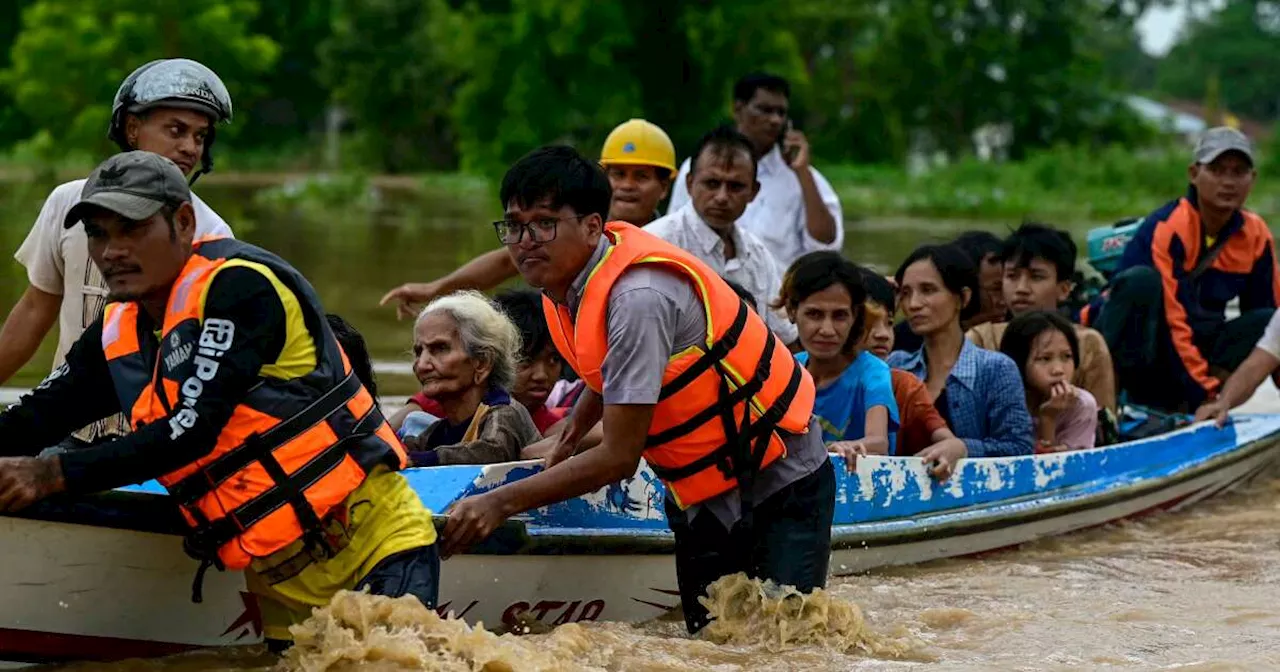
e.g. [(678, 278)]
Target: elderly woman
[(465, 356)]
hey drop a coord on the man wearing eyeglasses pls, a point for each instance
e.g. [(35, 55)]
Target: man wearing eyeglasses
[(796, 210), (1164, 317), (681, 372)]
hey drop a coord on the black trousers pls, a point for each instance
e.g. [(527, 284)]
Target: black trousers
[(786, 538), (1147, 363)]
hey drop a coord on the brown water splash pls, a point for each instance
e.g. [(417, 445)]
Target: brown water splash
[(358, 631), (748, 612)]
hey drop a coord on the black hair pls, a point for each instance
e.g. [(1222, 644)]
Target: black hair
[(878, 289), (745, 88), (1022, 332), (357, 352), (1038, 241), (978, 245), (958, 270), (816, 271), (742, 292), (724, 141), (524, 308), (562, 175)]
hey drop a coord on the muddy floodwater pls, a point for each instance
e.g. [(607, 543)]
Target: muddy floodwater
[(1197, 589), (1191, 590)]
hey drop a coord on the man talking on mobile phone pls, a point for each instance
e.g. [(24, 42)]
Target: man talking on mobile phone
[(796, 210)]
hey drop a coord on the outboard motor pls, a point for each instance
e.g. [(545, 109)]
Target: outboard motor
[(1106, 244)]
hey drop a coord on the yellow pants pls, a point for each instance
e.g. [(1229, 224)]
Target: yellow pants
[(382, 517)]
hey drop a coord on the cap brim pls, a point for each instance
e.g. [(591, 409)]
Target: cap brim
[(129, 206), (1210, 157)]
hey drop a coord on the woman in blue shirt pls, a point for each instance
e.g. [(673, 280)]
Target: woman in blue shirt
[(978, 392), (823, 295)]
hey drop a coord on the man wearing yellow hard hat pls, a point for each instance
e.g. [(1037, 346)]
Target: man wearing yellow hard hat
[(639, 159)]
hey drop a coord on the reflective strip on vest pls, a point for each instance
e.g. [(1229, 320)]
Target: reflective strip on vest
[(717, 419), (291, 451)]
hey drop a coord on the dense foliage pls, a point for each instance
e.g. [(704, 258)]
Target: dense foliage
[(444, 84)]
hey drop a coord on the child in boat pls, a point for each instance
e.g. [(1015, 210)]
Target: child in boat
[(922, 431), (823, 295), (540, 364), (1044, 346), (465, 353)]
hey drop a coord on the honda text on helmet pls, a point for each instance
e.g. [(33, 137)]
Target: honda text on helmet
[(175, 83)]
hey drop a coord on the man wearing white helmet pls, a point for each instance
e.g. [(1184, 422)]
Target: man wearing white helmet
[(167, 107)]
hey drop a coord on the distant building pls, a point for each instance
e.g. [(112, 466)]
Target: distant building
[(1167, 118)]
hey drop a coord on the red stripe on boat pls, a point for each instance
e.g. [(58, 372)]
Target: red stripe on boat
[(34, 645)]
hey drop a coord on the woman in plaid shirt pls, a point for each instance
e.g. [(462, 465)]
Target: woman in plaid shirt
[(978, 392)]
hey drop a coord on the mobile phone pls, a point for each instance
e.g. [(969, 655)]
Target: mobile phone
[(788, 153)]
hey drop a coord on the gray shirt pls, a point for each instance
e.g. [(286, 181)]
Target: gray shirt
[(654, 312)]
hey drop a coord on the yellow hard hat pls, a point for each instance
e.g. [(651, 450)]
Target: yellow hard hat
[(638, 142)]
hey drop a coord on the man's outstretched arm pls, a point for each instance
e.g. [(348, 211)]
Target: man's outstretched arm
[(626, 426), (483, 273), (27, 324)]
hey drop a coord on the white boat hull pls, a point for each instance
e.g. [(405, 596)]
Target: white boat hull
[(73, 591)]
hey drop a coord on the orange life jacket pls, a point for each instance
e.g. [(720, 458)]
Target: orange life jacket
[(292, 450), (700, 443)]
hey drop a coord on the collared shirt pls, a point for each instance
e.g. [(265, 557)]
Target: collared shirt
[(777, 214), (754, 266), (986, 400), (654, 312)]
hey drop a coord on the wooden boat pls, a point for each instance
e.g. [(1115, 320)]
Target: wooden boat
[(104, 577)]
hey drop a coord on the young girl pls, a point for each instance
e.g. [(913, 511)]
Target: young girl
[(823, 295), (1044, 346)]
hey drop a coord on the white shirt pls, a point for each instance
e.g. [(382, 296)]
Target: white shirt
[(777, 214), (754, 266), (1270, 341), (57, 261)]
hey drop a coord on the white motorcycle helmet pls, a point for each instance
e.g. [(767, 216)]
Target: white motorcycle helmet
[(174, 82)]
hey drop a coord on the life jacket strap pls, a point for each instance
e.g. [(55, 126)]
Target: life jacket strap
[(743, 393), (742, 455), (190, 489), (713, 356), (203, 542)]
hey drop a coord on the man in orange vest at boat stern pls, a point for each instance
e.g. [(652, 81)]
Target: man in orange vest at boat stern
[(671, 357), (241, 402)]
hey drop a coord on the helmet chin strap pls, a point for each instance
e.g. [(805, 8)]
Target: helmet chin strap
[(206, 159)]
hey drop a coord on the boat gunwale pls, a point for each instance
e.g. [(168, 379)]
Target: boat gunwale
[(148, 513)]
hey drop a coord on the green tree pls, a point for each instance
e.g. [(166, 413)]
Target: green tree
[(14, 126), (393, 66), (569, 71), (289, 100), (71, 56), (1238, 43)]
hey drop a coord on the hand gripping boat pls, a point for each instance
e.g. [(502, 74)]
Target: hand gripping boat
[(104, 577)]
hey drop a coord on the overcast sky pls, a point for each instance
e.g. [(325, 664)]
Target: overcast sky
[(1159, 26)]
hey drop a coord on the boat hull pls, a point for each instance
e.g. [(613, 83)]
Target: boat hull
[(105, 577)]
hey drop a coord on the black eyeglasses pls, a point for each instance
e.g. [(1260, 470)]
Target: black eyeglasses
[(510, 232)]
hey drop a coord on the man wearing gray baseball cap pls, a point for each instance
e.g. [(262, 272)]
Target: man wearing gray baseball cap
[(1164, 317), (243, 405)]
